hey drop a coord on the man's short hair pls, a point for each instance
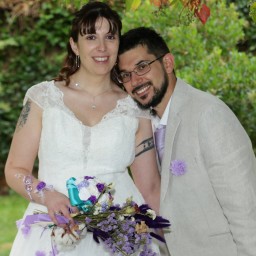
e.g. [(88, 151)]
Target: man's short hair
[(145, 37)]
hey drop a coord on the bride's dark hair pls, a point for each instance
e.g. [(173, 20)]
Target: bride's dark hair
[(84, 23)]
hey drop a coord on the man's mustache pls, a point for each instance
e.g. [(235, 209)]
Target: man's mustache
[(140, 86)]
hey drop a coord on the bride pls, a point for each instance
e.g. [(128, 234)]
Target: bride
[(81, 124)]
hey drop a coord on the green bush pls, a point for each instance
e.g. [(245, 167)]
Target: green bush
[(248, 43), (32, 50), (12, 209)]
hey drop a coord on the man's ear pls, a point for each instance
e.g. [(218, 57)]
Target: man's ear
[(168, 61), (73, 46)]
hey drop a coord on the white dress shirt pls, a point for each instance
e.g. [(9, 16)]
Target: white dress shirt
[(163, 121)]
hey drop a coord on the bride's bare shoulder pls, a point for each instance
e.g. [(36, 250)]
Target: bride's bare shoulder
[(120, 92)]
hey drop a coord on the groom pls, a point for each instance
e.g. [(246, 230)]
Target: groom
[(208, 167)]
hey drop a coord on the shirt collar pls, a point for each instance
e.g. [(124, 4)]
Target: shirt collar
[(163, 121)]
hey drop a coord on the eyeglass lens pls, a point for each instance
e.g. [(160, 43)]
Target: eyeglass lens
[(140, 70)]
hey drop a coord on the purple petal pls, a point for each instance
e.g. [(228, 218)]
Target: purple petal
[(40, 253), (97, 233), (143, 208), (158, 237), (178, 167), (93, 199), (88, 177), (25, 230), (40, 185), (100, 187)]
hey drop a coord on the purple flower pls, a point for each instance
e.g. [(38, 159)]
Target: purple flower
[(104, 207), (93, 199), (147, 252), (83, 184), (88, 220), (40, 186), (25, 230), (40, 253), (88, 177), (178, 167), (100, 187)]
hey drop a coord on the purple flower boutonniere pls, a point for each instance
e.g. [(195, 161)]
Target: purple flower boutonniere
[(178, 167)]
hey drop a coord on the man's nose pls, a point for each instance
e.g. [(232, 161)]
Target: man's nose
[(135, 79)]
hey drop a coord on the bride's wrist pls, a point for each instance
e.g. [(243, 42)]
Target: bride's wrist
[(34, 187), (41, 189)]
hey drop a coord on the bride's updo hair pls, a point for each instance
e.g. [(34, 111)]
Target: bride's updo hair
[(84, 23)]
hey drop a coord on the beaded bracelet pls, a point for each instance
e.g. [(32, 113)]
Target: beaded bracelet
[(28, 184), (28, 181)]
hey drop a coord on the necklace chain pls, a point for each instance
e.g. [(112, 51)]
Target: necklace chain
[(93, 104)]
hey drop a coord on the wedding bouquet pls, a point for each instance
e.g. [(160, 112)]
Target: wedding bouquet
[(123, 229)]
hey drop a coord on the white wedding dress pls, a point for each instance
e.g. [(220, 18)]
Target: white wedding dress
[(69, 148)]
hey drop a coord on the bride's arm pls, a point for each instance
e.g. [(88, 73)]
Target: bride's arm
[(24, 147), (21, 158), (144, 168)]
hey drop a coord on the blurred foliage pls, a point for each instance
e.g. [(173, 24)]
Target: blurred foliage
[(12, 209), (33, 45), (32, 48), (249, 41), (252, 12)]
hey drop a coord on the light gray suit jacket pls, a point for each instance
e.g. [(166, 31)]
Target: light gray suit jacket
[(212, 207)]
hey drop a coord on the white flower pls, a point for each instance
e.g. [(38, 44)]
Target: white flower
[(121, 217), (63, 240), (85, 193), (67, 239), (82, 228), (97, 209), (151, 214), (93, 190)]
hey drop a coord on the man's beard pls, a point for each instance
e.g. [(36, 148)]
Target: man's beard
[(158, 95)]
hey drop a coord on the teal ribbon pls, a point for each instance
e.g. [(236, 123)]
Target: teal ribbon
[(74, 198)]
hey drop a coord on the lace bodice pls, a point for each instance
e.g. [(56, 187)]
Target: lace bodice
[(70, 148)]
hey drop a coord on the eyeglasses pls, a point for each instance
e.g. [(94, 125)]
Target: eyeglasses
[(141, 69)]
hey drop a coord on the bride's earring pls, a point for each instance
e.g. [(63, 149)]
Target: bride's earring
[(77, 61)]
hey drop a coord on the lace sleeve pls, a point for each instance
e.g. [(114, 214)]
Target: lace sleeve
[(37, 93), (135, 110)]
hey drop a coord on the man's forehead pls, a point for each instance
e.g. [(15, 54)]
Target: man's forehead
[(140, 49), (134, 56)]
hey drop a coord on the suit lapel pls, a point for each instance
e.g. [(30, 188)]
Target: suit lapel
[(179, 98), (172, 124)]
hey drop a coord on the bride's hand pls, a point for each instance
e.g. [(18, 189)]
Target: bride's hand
[(58, 204)]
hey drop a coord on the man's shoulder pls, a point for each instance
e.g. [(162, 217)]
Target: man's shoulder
[(196, 95), (188, 99)]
